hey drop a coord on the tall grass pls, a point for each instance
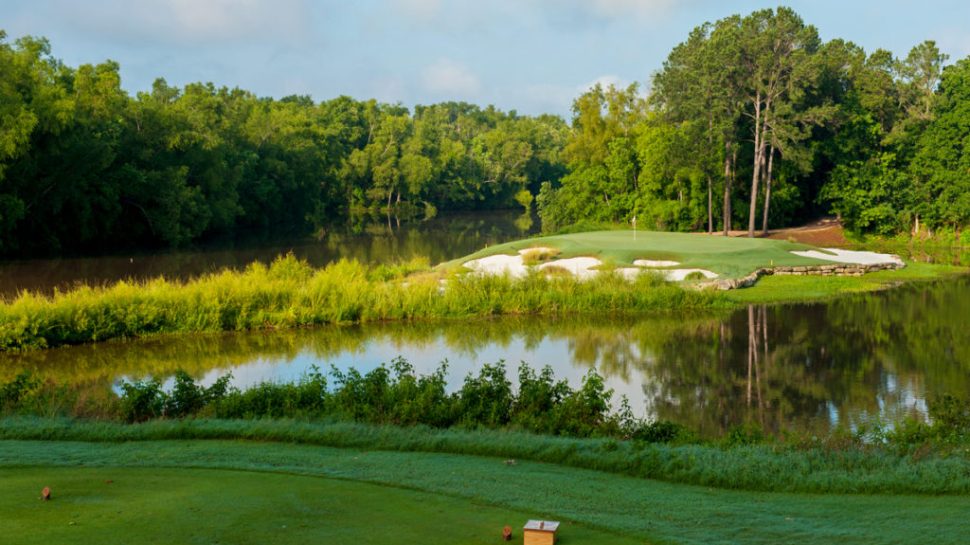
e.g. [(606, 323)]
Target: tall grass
[(764, 467), (290, 293)]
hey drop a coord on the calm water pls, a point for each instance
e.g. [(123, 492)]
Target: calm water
[(442, 238), (809, 367), (876, 356)]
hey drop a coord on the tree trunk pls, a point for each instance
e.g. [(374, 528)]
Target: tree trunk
[(764, 219), (752, 346), (727, 188), (710, 206), (710, 189), (756, 171)]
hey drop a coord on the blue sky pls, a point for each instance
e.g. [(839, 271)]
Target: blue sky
[(534, 56)]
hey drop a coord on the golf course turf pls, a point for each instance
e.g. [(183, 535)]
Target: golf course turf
[(729, 257), (242, 492)]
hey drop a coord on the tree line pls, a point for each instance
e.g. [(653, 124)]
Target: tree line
[(752, 122), (86, 166)]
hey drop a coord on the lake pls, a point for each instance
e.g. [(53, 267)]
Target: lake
[(441, 238), (808, 367)]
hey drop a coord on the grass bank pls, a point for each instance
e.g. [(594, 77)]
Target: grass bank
[(798, 289), (290, 294), (262, 487), (808, 467)]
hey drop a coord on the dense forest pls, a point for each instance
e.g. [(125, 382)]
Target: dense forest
[(752, 122), (84, 165)]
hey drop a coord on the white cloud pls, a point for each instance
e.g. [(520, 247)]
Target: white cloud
[(449, 77)]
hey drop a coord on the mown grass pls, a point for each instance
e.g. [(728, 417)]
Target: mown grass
[(162, 505), (794, 289), (290, 294), (808, 467), (730, 257), (637, 508)]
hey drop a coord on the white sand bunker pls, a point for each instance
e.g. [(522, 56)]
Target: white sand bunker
[(853, 257), (655, 263), (512, 265), (498, 265), (580, 267), (677, 275), (673, 275)]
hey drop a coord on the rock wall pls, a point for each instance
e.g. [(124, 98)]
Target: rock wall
[(834, 269)]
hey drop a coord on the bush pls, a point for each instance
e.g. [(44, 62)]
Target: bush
[(142, 400), (661, 431), (13, 393)]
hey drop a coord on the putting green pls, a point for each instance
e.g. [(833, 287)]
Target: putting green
[(730, 257)]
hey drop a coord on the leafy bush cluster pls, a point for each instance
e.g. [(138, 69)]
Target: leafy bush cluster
[(390, 394), (395, 394)]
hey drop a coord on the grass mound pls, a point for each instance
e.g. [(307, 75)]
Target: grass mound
[(730, 257)]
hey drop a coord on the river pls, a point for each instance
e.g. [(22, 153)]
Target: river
[(810, 367)]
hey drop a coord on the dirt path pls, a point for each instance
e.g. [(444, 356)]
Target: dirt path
[(826, 232)]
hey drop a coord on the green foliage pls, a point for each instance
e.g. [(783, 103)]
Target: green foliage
[(289, 293), (142, 400), (13, 394), (100, 169)]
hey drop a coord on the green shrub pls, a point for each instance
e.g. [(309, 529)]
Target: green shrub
[(15, 392), (142, 400)]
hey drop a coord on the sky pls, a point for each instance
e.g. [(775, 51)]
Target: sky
[(533, 56)]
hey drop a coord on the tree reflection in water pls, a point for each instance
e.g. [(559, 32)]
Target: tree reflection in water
[(805, 367)]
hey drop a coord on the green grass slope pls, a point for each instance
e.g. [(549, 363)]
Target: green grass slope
[(185, 505), (729, 257)]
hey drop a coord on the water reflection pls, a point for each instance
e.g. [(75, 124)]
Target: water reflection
[(439, 239), (807, 367)]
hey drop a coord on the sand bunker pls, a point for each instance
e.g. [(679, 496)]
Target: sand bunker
[(498, 265), (580, 267), (653, 263), (677, 275), (851, 256)]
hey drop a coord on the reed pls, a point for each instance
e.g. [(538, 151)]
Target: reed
[(289, 293)]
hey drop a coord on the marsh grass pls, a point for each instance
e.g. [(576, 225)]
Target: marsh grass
[(290, 293), (536, 256)]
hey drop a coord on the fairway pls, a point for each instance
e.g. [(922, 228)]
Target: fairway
[(254, 505), (730, 257), (185, 506)]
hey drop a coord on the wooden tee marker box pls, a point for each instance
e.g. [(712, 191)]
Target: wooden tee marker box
[(540, 532)]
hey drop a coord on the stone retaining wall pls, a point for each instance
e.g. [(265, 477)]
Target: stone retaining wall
[(834, 269)]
